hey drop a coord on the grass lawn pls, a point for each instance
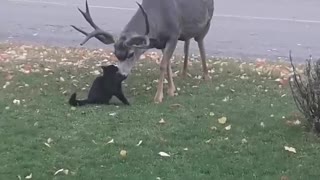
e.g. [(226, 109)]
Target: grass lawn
[(43, 133)]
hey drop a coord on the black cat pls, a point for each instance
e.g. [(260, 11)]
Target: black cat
[(103, 88)]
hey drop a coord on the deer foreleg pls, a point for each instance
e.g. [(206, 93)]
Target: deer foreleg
[(172, 87), (167, 54), (186, 54)]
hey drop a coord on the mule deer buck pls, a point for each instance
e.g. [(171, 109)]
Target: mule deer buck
[(158, 24)]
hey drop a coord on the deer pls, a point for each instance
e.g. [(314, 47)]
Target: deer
[(158, 24)]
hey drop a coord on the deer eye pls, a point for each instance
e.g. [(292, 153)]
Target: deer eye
[(130, 55)]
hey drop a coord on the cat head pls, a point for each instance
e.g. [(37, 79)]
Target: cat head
[(112, 71)]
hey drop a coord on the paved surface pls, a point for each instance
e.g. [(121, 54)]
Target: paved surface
[(247, 28)]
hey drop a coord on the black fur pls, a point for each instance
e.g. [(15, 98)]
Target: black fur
[(103, 88)]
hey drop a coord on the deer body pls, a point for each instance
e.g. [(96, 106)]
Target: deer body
[(159, 24)]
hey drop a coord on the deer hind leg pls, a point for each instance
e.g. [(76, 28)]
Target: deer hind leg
[(186, 54), (171, 88), (167, 54), (203, 52), (203, 60)]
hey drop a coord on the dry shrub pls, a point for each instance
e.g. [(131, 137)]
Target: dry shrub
[(305, 88)]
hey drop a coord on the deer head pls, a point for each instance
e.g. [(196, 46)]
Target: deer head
[(127, 47)]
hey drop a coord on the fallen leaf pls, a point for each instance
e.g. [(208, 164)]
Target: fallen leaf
[(112, 114), (207, 141), (60, 170), (49, 140), (226, 99), (262, 124), (19, 177), (290, 149), (6, 84), (66, 171), (164, 154), (139, 143), (29, 176), (110, 142), (48, 145), (228, 127), (162, 121), (123, 153), (185, 149), (222, 120), (211, 114), (16, 101), (297, 122), (244, 141), (213, 128)]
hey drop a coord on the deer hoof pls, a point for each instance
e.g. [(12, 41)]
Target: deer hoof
[(158, 98), (171, 91)]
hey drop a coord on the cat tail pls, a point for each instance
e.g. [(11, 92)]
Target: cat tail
[(74, 102)]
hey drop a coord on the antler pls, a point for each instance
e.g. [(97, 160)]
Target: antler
[(137, 41), (98, 33), (145, 18)]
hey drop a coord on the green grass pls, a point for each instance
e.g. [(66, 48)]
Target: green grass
[(80, 136)]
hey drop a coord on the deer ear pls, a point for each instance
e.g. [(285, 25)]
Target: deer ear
[(138, 42)]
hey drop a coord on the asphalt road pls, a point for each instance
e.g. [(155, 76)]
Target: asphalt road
[(242, 29)]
